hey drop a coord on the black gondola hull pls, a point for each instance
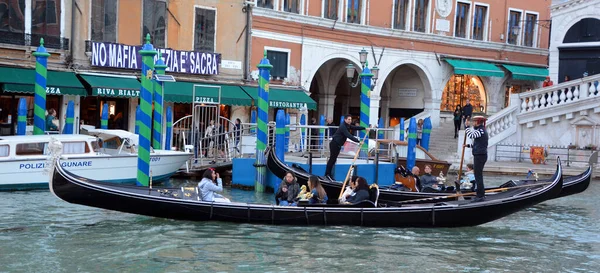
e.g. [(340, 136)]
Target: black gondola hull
[(572, 185), (179, 204)]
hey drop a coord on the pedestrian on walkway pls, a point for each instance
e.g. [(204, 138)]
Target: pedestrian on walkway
[(338, 140), (467, 112), (419, 131), (479, 148), (457, 115)]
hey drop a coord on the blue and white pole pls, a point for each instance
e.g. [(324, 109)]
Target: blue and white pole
[(411, 154)]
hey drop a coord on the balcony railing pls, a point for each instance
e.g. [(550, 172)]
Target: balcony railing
[(33, 40)]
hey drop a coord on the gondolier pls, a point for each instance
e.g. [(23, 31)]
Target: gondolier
[(338, 140), (479, 146)]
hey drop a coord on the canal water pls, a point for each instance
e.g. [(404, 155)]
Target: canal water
[(40, 233)]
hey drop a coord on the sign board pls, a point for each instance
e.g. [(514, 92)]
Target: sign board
[(205, 100), (231, 64), (128, 57), (286, 104), (402, 92), (164, 78), (112, 92), (442, 25)]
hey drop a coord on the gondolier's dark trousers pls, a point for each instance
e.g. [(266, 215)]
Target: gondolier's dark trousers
[(334, 151), (478, 164)]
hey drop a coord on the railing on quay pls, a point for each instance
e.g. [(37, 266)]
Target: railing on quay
[(569, 155)]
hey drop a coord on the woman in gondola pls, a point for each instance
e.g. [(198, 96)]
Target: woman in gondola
[(318, 194), (288, 190), (210, 184), (361, 190)]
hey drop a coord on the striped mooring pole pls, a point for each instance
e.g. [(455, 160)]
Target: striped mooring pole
[(280, 134), (169, 117), (302, 131), (401, 129), (411, 154), (41, 73), (264, 72), (160, 68), (145, 118), (138, 113), (365, 103), (22, 117), (426, 133), (287, 132), (104, 117), (70, 119), (321, 131)]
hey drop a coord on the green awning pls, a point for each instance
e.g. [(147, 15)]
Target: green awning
[(21, 80), (182, 92), (107, 86), (528, 73), (284, 98), (476, 68)]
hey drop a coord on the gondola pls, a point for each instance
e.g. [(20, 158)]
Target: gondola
[(184, 204), (572, 185)]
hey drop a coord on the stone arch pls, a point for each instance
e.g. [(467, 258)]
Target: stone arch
[(313, 70), (564, 25), (422, 71)]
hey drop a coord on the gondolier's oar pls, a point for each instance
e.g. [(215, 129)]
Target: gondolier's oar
[(462, 159), (352, 164), (469, 193)]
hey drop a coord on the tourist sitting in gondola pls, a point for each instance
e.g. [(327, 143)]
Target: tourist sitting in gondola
[(210, 184), (468, 181), (428, 181), (360, 190), (317, 192), (288, 191)]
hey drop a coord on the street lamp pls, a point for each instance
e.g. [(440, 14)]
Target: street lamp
[(351, 71)]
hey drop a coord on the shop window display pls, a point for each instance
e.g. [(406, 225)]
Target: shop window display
[(460, 88)]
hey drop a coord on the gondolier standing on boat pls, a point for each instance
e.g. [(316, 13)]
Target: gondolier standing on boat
[(479, 146), (338, 140)]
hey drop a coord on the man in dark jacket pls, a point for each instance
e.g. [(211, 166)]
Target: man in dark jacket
[(480, 145), (338, 140), (467, 112)]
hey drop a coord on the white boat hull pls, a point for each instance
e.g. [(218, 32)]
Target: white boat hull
[(31, 173)]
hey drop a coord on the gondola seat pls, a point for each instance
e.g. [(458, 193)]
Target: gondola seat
[(374, 194)]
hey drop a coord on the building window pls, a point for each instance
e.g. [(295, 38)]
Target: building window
[(420, 22), (514, 29), (12, 22), (400, 14), (155, 22), (265, 3), (45, 21), (529, 32), (291, 6), (460, 88), (104, 20), (353, 14), (279, 61), (462, 15), (331, 9), (204, 30), (479, 20)]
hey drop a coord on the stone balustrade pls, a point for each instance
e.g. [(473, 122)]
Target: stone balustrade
[(559, 95)]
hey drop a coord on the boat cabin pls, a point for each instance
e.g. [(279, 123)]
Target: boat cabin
[(15, 147)]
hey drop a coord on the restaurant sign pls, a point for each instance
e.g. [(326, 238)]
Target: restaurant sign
[(128, 57), (207, 100), (285, 104), (112, 92)]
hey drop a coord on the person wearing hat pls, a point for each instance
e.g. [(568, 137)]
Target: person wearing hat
[(479, 148)]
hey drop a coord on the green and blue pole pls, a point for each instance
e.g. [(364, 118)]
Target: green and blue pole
[(411, 154), (253, 121), (321, 130), (264, 73), (380, 133), (22, 117), (287, 132), (145, 118), (41, 73), (365, 103), (104, 118), (138, 112), (280, 134), (169, 117), (70, 118), (401, 129), (159, 68), (426, 134), (303, 131)]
